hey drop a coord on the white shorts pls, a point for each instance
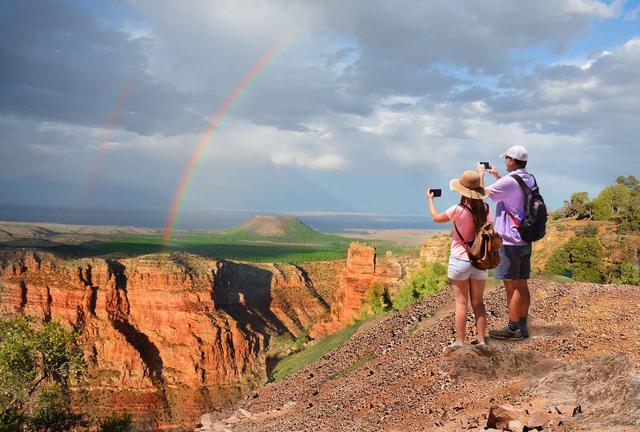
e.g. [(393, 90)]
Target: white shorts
[(461, 270)]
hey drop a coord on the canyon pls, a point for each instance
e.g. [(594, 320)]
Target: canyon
[(169, 336)]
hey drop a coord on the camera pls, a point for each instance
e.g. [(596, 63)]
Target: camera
[(486, 165), (436, 192)]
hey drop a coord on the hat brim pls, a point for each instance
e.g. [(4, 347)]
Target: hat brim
[(479, 193)]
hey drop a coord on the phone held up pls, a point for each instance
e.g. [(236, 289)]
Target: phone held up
[(486, 165), (436, 192)]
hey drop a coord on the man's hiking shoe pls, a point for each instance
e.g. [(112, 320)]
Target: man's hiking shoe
[(524, 332), (505, 333)]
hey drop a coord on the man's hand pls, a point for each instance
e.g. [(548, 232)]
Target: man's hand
[(480, 168), (493, 171)]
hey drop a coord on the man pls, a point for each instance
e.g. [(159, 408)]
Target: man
[(515, 255)]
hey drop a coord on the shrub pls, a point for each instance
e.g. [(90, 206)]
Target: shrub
[(601, 208), (590, 230), (117, 423), (580, 257), (630, 182), (37, 364), (379, 299), (627, 272), (431, 279), (301, 340), (578, 207)]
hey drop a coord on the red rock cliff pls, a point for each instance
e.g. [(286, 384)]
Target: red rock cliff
[(363, 268), (165, 336)]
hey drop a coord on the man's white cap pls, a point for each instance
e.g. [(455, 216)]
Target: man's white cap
[(516, 152)]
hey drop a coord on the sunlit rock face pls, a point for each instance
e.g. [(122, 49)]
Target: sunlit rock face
[(365, 268), (165, 336)]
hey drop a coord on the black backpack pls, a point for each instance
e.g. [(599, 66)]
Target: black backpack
[(533, 226)]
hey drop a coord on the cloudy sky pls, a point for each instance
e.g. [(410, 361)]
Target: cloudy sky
[(102, 103)]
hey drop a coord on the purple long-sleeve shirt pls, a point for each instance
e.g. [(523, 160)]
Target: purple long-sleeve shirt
[(509, 198)]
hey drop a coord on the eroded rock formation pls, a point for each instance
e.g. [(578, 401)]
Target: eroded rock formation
[(164, 335), (363, 269)]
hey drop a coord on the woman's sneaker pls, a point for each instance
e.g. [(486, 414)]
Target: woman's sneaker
[(506, 333)]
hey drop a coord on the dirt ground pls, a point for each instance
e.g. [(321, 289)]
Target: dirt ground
[(583, 353)]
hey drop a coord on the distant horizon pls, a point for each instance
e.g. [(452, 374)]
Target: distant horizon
[(198, 219)]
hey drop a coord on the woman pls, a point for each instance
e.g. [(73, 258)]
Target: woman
[(468, 217)]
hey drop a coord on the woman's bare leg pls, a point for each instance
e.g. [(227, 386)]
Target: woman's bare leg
[(461, 294), (476, 292)]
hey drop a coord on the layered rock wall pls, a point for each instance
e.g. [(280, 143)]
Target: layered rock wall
[(164, 335), (362, 270)]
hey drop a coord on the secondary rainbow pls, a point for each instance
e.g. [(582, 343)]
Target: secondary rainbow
[(105, 136), (228, 103)]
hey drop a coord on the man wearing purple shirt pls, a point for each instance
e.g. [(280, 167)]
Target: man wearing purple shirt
[(515, 255)]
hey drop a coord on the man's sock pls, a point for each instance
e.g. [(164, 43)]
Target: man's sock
[(522, 324), (513, 326)]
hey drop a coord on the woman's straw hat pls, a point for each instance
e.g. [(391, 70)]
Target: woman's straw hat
[(469, 185)]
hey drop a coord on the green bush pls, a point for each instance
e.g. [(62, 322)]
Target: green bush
[(581, 257), (431, 279), (619, 202), (301, 340), (627, 272), (10, 419), (590, 230), (602, 209), (578, 207), (37, 364), (379, 299), (117, 423)]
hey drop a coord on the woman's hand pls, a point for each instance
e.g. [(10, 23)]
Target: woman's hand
[(429, 195)]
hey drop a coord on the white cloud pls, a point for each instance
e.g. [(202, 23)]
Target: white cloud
[(595, 8)]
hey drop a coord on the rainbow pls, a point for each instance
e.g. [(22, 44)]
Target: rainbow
[(228, 103), (105, 136)]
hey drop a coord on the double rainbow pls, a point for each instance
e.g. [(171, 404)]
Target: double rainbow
[(228, 103)]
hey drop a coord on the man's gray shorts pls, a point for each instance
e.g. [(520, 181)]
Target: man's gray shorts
[(515, 262)]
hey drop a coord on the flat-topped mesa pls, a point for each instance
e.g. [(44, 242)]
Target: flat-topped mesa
[(271, 226), (164, 336)]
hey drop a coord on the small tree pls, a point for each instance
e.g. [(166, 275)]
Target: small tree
[(577, 207), (630, 182), (602, 208), (37, 364), (581, 257)]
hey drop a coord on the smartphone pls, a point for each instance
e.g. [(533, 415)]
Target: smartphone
[(436, 192), (486, 165)]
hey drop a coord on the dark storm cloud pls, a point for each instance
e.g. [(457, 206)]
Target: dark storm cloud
[(58, 63)]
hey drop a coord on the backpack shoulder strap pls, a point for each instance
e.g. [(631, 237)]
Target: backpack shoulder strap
[(525, 191), (464, 242), (521, 182)]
